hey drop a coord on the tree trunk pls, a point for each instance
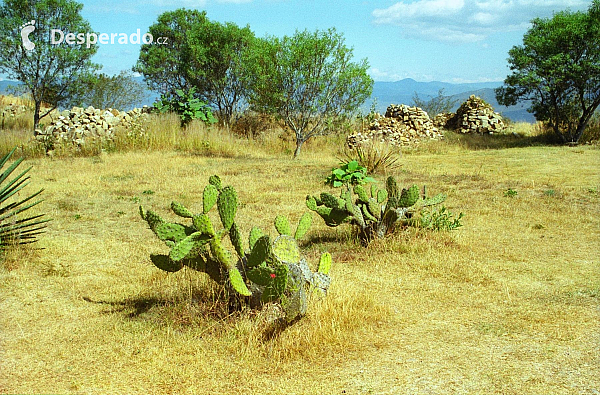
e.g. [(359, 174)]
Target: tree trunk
[(36, 114), (299, 143)]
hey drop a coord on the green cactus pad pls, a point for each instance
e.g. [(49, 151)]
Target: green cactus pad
[(173, 232), (163, 262), (276, 288), (237, 282), (362, 193), (221, 253), (303, 226), (209, 198), (236, 239), (323, 211), (227, 206), (392, 187), (437, 199), (181, 210), (337, 217), (255, 234), (374, 208), (366, 214), (325, 263), (286, 249), (203, 225), (283, 225), (356, 213), (215, 181), (373, 190), (152, 218), (329, 200), (311, 203), (183, 248), (409, 197), (261, 275), (381, 196), (260, 251)]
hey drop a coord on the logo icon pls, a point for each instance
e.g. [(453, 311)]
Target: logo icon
[(26, 30)]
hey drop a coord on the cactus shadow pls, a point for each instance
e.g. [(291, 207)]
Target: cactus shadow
[(132, 308)]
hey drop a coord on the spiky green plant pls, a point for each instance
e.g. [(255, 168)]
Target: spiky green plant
[(264, 270), (15, 226), (375, 213)]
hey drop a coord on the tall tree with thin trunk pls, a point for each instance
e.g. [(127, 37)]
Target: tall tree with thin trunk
[(308, 81), (49, 71)]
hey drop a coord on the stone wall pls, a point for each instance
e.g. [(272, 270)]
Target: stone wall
[(402, 125), (79, 124), (475, 116)]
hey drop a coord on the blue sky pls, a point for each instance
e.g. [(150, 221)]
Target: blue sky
[(442, 40)]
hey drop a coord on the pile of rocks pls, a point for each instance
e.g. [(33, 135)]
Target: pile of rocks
[(475, 116), (79, 124), (401, 125)]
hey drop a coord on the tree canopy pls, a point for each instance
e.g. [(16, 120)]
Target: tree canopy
[(48, 71), (119, 91), (199, 54), (308, 81), (558, 69)]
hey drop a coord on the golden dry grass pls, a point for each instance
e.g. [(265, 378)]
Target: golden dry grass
[(508, 304)]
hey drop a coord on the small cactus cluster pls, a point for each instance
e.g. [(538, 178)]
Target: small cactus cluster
[(265, 270), (374, 213)]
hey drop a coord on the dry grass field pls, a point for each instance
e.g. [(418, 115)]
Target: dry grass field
[(507, 304)]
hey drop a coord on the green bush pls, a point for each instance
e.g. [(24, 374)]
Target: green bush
[(349, 173), (186, 105)]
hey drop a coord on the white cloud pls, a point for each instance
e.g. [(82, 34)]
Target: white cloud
[(468, 20)]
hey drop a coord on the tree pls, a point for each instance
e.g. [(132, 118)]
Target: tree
[(436, 105), (48, 70), (558, 69), (200, 54), (308, 81), (119, 91)]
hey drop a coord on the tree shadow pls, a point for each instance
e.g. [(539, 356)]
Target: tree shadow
[(133, 307), (499, 141)]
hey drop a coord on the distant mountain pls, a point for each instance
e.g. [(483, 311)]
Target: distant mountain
[(402, 92)]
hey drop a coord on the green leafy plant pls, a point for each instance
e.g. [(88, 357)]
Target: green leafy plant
[(511, 193), (375, 214), (441, 219), (349, 173), (186, 105), (265, 270), (16, 228)]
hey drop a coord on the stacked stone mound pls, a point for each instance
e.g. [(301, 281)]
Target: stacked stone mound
[(402, 125), (78, 125), (475, 116)]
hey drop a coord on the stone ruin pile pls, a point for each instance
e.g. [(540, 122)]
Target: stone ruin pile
[(401, 125), (473, 116), (79, 124), (12, 110)]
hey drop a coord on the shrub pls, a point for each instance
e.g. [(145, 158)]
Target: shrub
[(266, 269), (349, 173), (441, 219), (377, 157), (186, 105)]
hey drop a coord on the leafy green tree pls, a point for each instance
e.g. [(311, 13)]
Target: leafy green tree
[(205, 55), (308, 81), (47, 70), (186, 105), (558, 69), (436, 105), (119, 91)]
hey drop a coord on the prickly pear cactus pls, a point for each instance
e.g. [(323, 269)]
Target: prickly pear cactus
[(272, 268), (374, 214)]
